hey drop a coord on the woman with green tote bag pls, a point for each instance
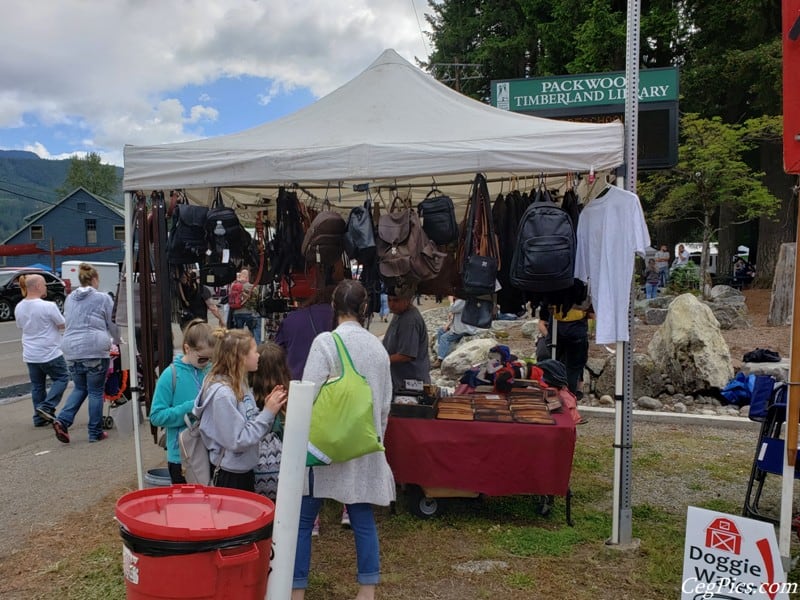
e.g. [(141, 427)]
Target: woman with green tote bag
[(360, 482)]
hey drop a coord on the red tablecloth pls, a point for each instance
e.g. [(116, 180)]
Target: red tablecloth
[(496, 459)]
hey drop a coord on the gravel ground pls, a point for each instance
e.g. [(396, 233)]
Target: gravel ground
[(678, 464)]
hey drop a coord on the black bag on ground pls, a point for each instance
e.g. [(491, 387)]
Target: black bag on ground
[(187, 242), (544, 257), (761, 355), (438, 218)]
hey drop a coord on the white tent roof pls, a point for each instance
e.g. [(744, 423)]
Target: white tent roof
[(392, 124)]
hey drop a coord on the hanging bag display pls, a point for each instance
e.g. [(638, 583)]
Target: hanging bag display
[(359, 237), (342, 423)]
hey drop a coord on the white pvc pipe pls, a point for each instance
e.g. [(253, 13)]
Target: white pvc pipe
[(291, 478)]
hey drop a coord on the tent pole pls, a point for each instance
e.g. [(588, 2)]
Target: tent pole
[(133, 373), (623, 435)]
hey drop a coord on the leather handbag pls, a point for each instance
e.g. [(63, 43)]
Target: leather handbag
[(479, 251), (217, 274), (478, 312)]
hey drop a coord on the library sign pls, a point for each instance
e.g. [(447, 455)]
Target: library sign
[(595, 96)]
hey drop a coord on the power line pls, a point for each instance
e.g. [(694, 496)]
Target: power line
[(419, 26)]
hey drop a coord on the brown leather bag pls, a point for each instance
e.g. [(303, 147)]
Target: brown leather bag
[(404, 250)]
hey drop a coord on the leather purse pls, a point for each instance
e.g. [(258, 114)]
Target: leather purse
[(478, 312)]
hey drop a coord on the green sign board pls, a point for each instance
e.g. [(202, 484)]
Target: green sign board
[(581, 91)]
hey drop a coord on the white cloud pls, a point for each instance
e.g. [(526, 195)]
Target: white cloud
[(113, 67)]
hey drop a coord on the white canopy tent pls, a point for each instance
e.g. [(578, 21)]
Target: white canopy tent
[(392, 125)]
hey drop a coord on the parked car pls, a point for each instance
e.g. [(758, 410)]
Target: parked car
[(11, 295)]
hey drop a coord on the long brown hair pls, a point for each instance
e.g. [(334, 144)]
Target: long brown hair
[(228, 360), (272, 371)]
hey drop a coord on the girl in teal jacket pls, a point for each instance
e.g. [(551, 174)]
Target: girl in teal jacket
[(178, 386)]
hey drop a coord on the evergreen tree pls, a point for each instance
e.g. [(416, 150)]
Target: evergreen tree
[(99, 179)]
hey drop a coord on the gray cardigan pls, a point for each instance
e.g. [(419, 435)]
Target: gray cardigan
[(367, 478), (89, 330)]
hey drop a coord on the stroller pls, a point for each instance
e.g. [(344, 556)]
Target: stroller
[(116, 392)]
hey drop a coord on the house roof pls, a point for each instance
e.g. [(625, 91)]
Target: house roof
[(36, 215)]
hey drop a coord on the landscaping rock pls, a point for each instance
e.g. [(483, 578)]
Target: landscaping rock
[(690, 348), (655, 316)]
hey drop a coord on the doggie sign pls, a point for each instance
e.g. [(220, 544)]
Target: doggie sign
[(728, 557)]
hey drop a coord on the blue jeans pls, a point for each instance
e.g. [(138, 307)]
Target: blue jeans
[(248, 321), (56, 369), (445, 340), (384, 305), (651, 290), (89, 378), (663, 274), (362, 522)]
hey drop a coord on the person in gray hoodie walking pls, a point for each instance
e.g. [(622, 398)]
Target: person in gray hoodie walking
[(231, 424), (88, 335)]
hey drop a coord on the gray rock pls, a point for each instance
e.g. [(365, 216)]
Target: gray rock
[(709, 412), (689, 347), (647, 380), (779, 370), (649, 403), (605, 400), (530, 328), (680, 407), (595, 366), (731, 316), (465, 355), (670, 389), (745, 411), (660, 302), (725, 291), (655, 316)]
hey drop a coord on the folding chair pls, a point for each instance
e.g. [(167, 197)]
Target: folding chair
[(770, 409)]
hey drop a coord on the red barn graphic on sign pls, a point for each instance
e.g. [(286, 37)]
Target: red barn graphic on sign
[(723, 535)]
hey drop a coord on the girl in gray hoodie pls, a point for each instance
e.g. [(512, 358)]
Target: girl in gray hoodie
[(231, 424)]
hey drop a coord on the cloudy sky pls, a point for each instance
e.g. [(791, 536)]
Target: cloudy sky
[(91, 76)]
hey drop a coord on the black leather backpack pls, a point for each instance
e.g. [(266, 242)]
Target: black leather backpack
[(438, 218)]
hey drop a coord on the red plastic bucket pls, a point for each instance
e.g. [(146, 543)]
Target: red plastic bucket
[(195, 542)]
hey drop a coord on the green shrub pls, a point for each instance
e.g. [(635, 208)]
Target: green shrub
[(685, 278)]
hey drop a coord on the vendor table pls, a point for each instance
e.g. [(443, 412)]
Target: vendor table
[(495, 459)]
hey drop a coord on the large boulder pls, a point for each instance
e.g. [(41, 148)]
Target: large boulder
[(690, 349), (466, 354)]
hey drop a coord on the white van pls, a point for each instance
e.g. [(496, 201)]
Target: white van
[(108, 272)]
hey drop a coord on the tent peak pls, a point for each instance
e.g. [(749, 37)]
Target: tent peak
[(389, 56)]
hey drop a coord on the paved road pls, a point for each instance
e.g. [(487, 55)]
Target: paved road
[(44, 480)]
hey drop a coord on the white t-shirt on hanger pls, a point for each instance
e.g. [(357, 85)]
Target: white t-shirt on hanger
[(610, 230)]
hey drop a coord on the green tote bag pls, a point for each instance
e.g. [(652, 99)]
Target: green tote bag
[(342, 427)]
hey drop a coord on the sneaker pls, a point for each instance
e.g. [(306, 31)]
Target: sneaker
[(62, 435), (48, 416), (315, 528), (345, 518), (103, 435)]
